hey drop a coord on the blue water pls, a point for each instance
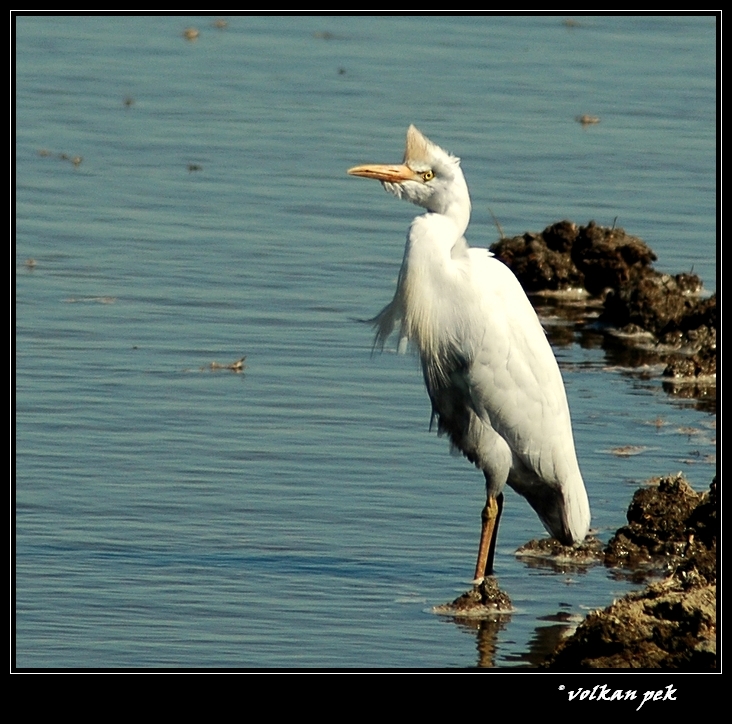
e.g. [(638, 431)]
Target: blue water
[(300, 514)]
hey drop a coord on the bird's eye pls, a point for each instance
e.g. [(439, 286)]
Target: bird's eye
[(428, 176)]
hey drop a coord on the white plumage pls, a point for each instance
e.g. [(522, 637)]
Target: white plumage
[(491, 375)]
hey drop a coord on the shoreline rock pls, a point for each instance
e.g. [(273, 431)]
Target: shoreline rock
[(638, 302), (671, 624)]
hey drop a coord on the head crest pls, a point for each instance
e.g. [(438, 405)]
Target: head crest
[(421, 151)]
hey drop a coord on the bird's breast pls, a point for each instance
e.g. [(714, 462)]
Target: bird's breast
[(438, 303)]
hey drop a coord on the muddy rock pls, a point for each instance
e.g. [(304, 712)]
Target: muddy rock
[(610, 258), (550, 553), (543, 261), (672, 623), (667, 523), (638, 301), (664, 627), (484, 599), (566, 256)]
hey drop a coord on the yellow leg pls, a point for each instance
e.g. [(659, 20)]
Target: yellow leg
[(489, 531)]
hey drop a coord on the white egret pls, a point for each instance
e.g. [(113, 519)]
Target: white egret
[(490, 372)]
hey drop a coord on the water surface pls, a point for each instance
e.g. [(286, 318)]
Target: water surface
[(301, 514)]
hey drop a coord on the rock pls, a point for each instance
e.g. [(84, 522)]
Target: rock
[(672, 623)]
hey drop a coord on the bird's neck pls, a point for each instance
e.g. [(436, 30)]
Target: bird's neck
[(455, 206), (459, 214)]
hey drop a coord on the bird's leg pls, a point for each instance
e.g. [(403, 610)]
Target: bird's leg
[(489, 532), (494, 537)]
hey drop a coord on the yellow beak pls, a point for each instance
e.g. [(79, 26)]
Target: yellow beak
[(385, 172)]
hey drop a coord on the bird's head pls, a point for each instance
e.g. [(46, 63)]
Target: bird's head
[(429, 177)]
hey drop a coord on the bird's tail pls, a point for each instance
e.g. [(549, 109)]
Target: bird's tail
[(564, 511), (577, 510)]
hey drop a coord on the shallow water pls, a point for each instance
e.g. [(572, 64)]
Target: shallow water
[(301, 514)]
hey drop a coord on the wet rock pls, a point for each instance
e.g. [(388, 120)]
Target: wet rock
[(672, 623), (638, 301), (550, 553), (609, 258), (697, 330), (543, 261), (484, 599), (664, 627), (566, 256), (663, 523)]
